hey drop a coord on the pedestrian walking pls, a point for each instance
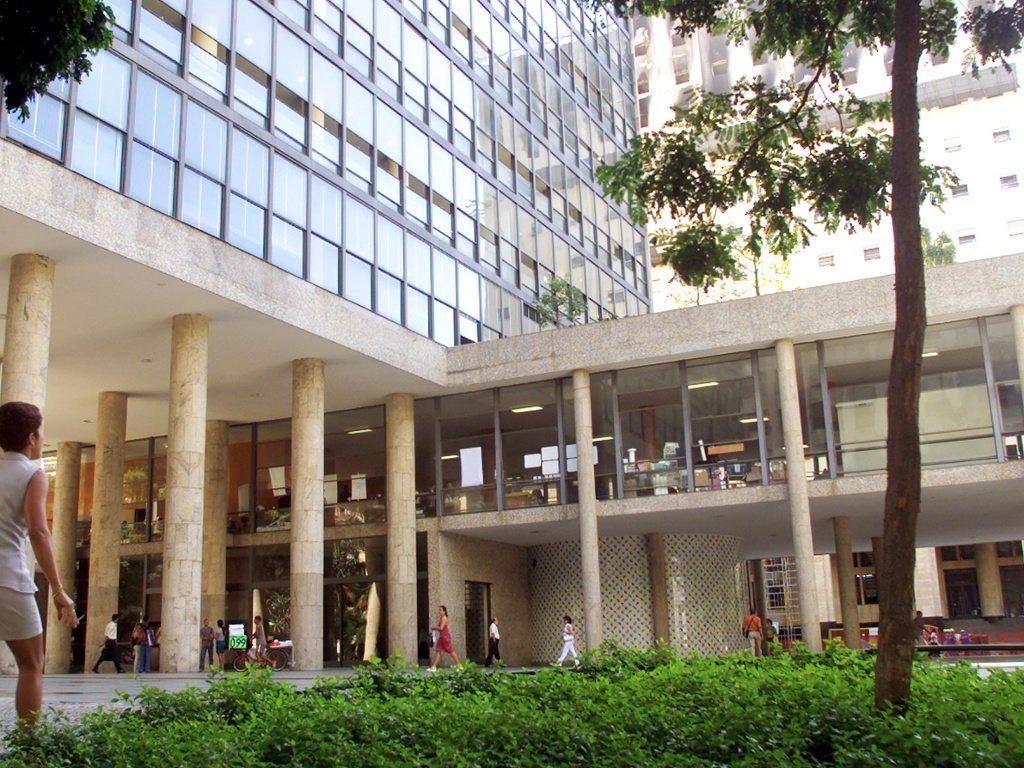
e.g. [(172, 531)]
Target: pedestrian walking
[(108, 651), (568, 642), (444, 639), (493, 638), (752, 631), (206, 637), (23, 488)]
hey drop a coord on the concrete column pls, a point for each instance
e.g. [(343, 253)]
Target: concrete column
[(847, 582), (65, 531), (27, 335), (26, 353), (215, 520), (589, 541), (657, 567), (105, 536), (990, 586), (186, 460), (796, 484), (403, 636), (307, 550)]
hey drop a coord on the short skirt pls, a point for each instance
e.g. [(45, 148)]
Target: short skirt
[(19, 615), (222, 646)]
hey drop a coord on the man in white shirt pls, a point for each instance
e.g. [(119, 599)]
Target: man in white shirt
[(493, 636), (109, 650)]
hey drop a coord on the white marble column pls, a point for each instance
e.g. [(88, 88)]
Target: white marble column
[(403, 636), (847, 582), (796, 484), (26, 353), (589, 540), (105, 535), (183, 531), (307, 532), (65, 531), (215, 521), (990, 585)]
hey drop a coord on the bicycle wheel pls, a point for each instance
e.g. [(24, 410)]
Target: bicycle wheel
[(278, 659), (241, 658)]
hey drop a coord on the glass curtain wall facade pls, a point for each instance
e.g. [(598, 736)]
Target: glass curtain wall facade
[(431, 161)]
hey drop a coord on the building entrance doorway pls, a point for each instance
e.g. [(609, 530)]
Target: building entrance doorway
[(354, 622), (478, 612), (962, 597), (1013, 589)]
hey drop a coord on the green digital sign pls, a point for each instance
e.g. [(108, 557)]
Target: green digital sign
[(237, 638)]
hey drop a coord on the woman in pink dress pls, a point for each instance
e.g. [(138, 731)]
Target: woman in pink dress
[(444, 639)]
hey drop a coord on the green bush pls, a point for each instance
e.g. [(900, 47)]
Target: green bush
[(624, 707)]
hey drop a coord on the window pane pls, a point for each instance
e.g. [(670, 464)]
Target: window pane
[(390, 246), (160, 26), (289, 191), (444, 277), (417, 311), (444, 324), (249, 162), (469, 291), (97, 151), (389, 297), (417, 263), (323, 263), (206, 142), (326, 210), (43, 130), (358, 229), (253, 35), (157, 110), (201, 202), (286, 246), (357, 281), (152, 179), (104, 91), (246, 230), (292, 63)]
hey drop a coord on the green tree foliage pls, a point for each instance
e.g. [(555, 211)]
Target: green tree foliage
[(771, 152), (937, 251), (41, 41), (561, 303)]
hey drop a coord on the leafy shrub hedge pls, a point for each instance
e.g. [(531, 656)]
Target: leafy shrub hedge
[(622, 708)]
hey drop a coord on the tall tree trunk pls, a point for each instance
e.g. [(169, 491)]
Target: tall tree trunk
[(903, 464)]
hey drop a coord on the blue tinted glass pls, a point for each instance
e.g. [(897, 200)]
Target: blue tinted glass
[(247, 224), (152, 179), (201, 202), (97, 151), (157, 110)]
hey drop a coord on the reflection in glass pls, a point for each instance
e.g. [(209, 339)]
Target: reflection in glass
[(43, 129), (468, 467), (97, 151)]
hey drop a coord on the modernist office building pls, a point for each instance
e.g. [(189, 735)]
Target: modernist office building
[(235, 431)]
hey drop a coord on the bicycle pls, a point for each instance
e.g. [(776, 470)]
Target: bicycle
[(274, 658)]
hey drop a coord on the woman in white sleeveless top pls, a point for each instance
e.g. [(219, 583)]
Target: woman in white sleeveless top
[(23, 517)]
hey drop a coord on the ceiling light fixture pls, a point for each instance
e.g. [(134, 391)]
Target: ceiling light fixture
[(752, 420), (360, 431), (449, 456), (929, 354), (702, 385), (528, 408), (602, 438)]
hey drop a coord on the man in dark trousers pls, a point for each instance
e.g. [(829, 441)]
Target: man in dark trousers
[(493, 636), (109, 650)]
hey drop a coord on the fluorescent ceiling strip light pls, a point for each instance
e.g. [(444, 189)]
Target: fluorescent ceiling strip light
[(702, 385), (528, 409), (361, 431)]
